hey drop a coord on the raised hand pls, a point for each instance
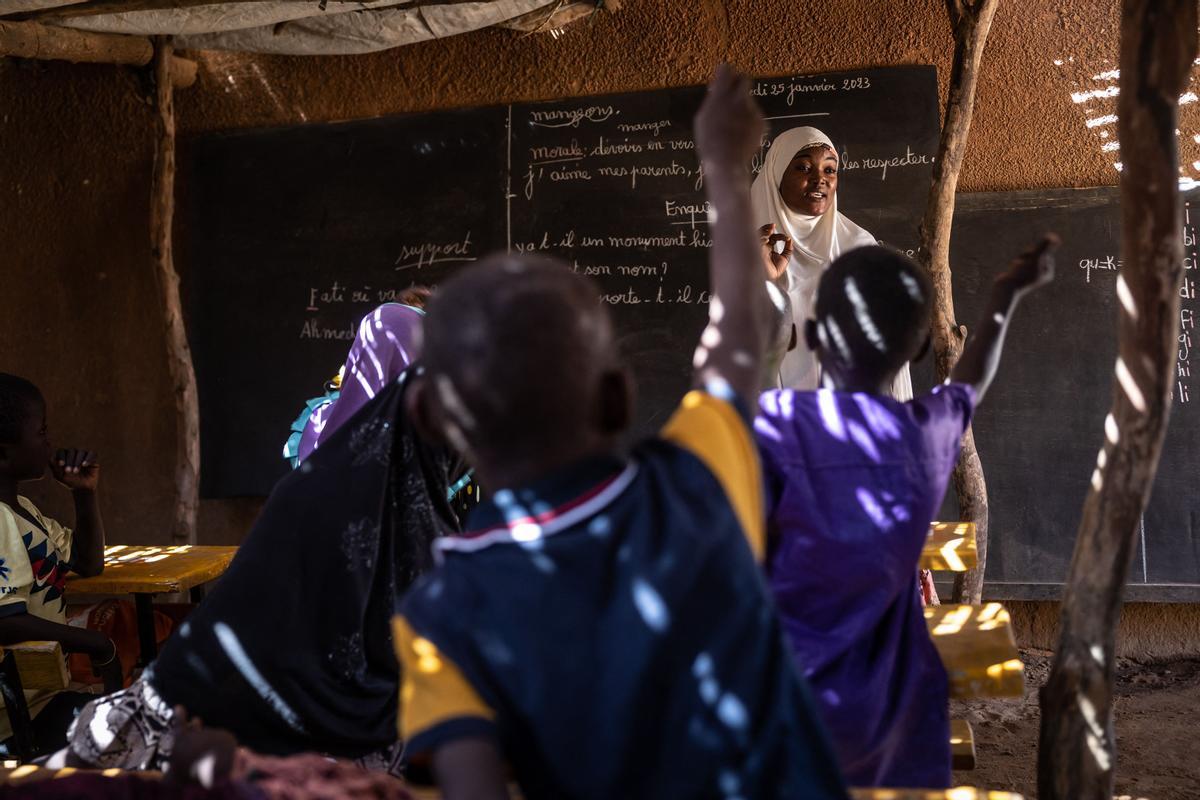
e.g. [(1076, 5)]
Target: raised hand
[(729, 126), (1034, 267), (775, 260), (729, 357), (76, 469)]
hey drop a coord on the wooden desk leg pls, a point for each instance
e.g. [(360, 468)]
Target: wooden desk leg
[(18, 710), (145, 622)]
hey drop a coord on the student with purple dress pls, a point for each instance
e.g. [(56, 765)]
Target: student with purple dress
[(853, 478)]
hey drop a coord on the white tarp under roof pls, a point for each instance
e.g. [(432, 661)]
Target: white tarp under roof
[(304, 27)]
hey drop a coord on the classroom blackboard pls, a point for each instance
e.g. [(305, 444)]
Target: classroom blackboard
[(1042, 423), (288, 236)]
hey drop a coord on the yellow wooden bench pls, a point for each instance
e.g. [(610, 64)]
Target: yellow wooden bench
[(40, 664), (977, 649), (951, 547), (957, 793), (29, 666), (962, 745), (28, 773)]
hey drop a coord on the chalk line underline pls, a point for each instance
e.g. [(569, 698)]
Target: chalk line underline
[(798, 116), (430, 262)]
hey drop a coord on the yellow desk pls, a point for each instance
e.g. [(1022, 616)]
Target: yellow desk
[(11, 775), (957, 793), (145, 571), (978, 650), (951, 547)]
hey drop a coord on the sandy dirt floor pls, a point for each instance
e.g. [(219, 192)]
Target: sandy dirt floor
[(1158, 750)]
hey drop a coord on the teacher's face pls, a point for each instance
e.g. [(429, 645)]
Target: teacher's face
[(810, 181)]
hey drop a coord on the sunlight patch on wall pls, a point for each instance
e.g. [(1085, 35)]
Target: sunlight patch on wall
[(1094, 89)]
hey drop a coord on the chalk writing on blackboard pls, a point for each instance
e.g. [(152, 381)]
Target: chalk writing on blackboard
[(1100, 263), (1181, 390), (570, 117), (909, 159), (425, 254), (653, 127)]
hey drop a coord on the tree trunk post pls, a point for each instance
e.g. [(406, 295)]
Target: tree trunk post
[(1076, 747), (971, 21), (179, 354)]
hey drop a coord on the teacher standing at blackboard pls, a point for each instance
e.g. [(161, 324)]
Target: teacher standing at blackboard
[(796, 191)]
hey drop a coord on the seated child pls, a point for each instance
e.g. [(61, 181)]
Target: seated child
[(853, 479), (291, 651), (36, 552), (604, 628)]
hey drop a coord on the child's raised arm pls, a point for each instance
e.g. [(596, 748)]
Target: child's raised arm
[(1031, 269), (728, 131)]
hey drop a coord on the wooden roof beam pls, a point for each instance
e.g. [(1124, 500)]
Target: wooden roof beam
[(93, 8), (31, 40)]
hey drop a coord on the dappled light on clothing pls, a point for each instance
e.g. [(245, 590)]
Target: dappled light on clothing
[(854, 481)]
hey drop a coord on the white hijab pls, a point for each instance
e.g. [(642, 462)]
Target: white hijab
[(817, 242)]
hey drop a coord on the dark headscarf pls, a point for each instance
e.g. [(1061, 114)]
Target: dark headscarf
[(292, 651)]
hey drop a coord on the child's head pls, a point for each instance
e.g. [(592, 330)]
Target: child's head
[(521, 371), (24, 446), (872, 317), (415, 296)]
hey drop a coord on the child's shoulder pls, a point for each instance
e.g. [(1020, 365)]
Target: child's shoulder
[(30, 509), (27, 504), (24, 507), (946, 399)]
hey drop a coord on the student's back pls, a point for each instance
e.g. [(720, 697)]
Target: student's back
[(853, 480), (624, 645)]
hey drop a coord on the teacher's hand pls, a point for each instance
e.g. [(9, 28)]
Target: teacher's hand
[(774, 260)]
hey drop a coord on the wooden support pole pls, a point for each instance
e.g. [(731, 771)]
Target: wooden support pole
[(179, 354), (1076, 747), (971, 20), (31, 40)]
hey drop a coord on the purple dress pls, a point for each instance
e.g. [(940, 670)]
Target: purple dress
[(852, 483)]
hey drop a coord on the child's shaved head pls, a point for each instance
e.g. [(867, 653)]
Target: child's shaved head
[(518, 350), (872, 314), (20, 399)]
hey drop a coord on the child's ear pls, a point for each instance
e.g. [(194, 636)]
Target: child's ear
[(923, 351), (810, 335), (418, 401), (616, 402)]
